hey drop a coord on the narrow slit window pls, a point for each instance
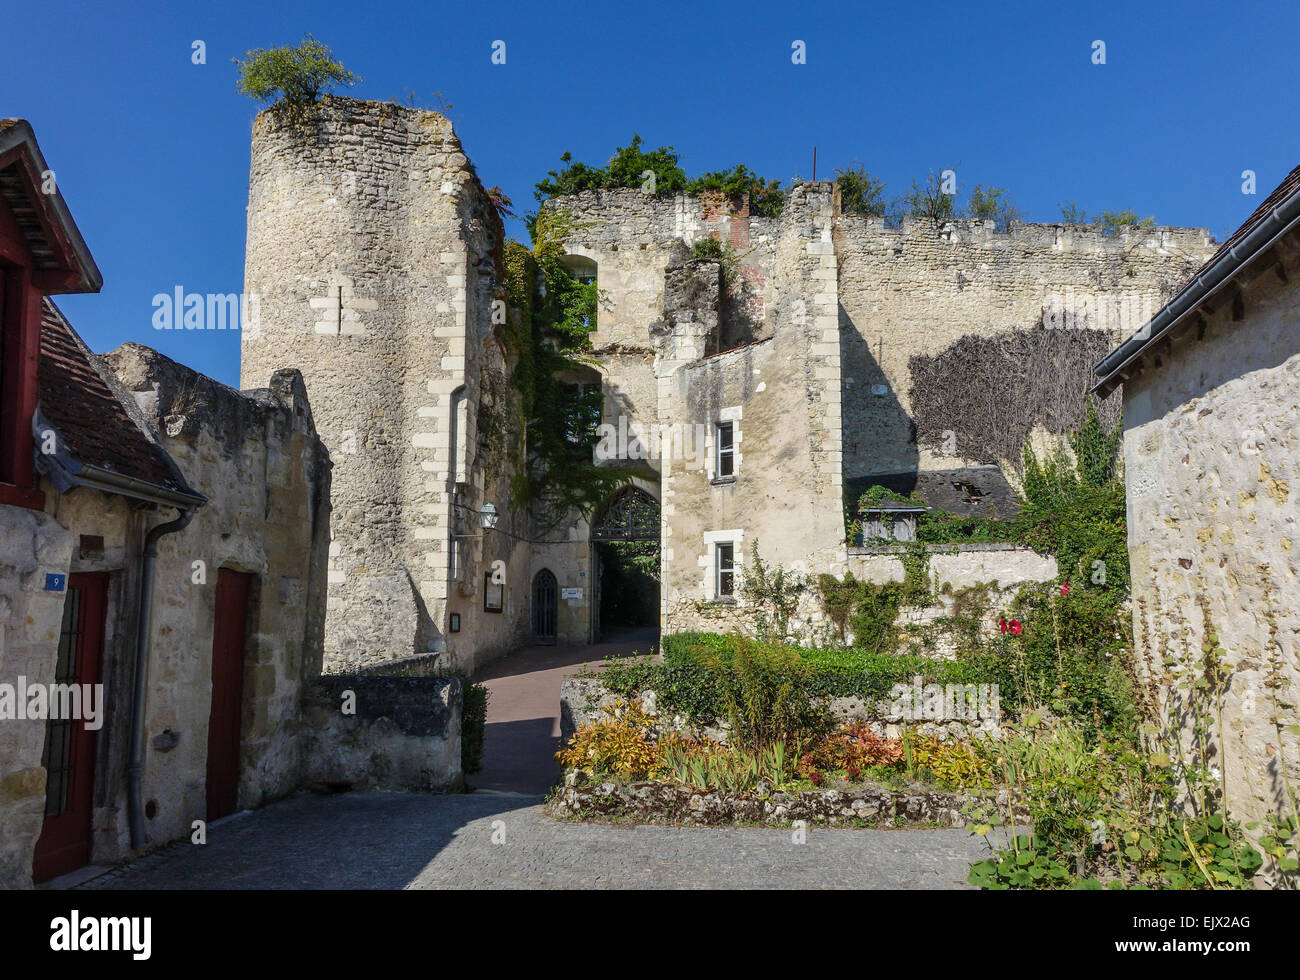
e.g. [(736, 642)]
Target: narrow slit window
[(726, 450), (726, 570)]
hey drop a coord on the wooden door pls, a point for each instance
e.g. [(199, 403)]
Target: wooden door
[(69, 755), (228, 631)]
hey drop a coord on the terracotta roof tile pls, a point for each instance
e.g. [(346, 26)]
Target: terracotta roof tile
[(92, 422)]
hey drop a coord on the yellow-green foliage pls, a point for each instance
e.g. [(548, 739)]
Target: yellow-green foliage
[(617, 745), (964, 765)]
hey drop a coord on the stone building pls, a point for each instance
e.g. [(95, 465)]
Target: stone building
[(163, 550), (765, 387), (1211, 389)]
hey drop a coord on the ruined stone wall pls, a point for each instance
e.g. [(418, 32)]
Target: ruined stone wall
[(1212, 457), (371, 256), (782, 398), (917, 290), (257, 459), (634, 238)]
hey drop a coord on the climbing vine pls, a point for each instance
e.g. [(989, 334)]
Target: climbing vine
[(551, 314), (1038, 375)]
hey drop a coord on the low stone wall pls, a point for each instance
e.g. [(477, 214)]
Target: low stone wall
[(865, 806), (957, 566), (402, 732), (420, 665), (583, 701)]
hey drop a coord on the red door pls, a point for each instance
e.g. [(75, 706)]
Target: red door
[(69, 756), (227, 691)]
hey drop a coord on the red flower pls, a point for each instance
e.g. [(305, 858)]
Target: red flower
[(1065, 588), (1002, 625), (1015, 627)]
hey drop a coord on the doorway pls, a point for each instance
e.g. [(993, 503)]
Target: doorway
[(627, 566), (545, 607), (627, 576), (69, 755), (229, 628)]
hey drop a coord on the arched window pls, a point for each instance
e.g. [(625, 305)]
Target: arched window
[(583, 269)]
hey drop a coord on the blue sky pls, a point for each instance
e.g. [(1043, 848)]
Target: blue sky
[(151, 151)]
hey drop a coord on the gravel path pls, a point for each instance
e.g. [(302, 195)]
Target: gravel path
[(394, 840)]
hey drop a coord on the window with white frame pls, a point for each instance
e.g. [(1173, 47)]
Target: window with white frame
[(726, 570), (724, 439)]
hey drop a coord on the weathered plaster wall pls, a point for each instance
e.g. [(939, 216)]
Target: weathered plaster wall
[(1212, 457)]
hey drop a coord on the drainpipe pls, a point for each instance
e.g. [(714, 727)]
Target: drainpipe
[(135, 808)]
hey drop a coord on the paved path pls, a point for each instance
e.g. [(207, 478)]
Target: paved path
[(395, 840), (523, 724)]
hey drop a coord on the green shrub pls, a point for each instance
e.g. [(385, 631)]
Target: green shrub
[(860, 193), (1108, 815), (711, 676), (628, 167), (297, 74), (473, 724), (766, 695)]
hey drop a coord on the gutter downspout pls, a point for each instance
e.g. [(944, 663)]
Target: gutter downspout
[(144, 620)]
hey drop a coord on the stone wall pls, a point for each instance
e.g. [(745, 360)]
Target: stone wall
[(584, 700), (32, 545), (372, 252), (1212, 457), (955, 567), (918, 289), (256, 457), (990, 574), (378, 731)]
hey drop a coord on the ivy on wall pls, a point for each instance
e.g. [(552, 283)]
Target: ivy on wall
[(990, 391), (550, 316)]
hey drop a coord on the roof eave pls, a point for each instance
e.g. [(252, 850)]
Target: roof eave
[(83, 274), (1124, 361)]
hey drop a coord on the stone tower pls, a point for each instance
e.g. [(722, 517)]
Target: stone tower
[(371, 268)]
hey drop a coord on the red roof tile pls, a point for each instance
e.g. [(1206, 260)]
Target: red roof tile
[(92, 422)]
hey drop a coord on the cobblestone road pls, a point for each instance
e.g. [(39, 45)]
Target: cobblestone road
[(393, 840)]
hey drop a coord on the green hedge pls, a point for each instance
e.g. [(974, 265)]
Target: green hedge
[(1081, 673), (697, 669)]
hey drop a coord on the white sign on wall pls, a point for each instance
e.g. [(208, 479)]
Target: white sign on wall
[(571, 593)]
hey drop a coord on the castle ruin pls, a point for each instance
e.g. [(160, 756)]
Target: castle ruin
[(374, 252)]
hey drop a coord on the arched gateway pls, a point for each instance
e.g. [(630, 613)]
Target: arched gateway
[(625, 546)]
